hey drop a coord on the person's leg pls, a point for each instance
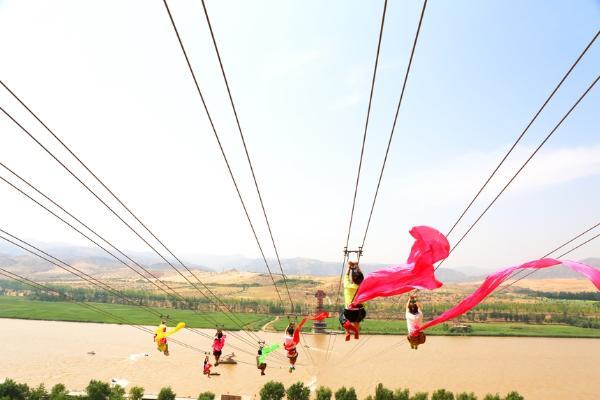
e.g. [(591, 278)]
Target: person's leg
[(356, 329)]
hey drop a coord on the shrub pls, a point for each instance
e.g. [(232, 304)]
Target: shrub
[(400, 394), (442, 394), (206, 396), (166, 393), (351, 394), (419, 396), (58, 392), (345, 394), (298, 392), (97, 390), (136, 393), (492, 397), (323, 393), (39, 393), (13, 390), (340, 394), (117, 393), (514, 396), (272, 391), (369, 397), (466, 396), (383, 393)]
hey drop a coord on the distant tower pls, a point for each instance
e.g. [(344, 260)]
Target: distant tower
[(319, 326)]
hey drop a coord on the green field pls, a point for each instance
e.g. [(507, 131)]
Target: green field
[(398, 327), (23, 308)]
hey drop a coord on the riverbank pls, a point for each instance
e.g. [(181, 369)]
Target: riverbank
[(23, 308)]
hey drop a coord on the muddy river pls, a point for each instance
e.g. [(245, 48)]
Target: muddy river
[(73, 353)]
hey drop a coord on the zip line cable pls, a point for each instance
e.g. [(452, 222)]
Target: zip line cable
[(75, 271), (522, 167), (56, 262), (197, 85), (173, 292), (39, 286), (223, 305), (114, 196), (571, 241), (95, 233), (360, 160), (387, 150), (560, 256), (362, 149), (524, 132), (262, 204), (555, 250)]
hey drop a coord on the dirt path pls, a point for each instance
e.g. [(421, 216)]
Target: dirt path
[(267, 327)]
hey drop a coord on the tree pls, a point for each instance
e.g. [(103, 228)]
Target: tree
[(206, 396), (136, 393), (39, 393), (340, 394), (272, 391), (58, 392), (351, 394), (323, 393), (97, 390), (117, 393), (492, 397), (13, 390), (298, 392), (442, 394), (419, 396), (166, 393), (466, 396), (383, 393), (400, 394), (514, 396)]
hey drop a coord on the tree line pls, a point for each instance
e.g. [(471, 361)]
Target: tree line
[(272, 390)]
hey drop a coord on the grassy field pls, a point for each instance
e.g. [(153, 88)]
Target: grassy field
[(22, 308), (398, 327)]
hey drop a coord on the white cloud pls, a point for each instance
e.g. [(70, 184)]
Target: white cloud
[(464, 174)]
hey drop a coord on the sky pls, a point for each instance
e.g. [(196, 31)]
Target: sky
[(109, 78)]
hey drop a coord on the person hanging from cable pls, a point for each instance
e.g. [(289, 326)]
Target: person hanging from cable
[(218, 344), (352, 314), (161, 334), (207, 365), (289, 344), (161, 342), (260, 358), (414, 321)]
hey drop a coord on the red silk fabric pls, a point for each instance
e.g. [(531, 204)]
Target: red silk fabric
[(318, 317), (493, 281), (418, 273)]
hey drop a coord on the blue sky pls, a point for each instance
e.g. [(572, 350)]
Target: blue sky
[(108, 76)]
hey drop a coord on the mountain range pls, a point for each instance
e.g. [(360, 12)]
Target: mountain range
[(98, 261)]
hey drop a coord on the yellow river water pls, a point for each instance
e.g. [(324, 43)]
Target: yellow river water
[(539, 368)]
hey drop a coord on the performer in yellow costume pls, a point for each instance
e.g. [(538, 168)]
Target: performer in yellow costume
[(161, 335)]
